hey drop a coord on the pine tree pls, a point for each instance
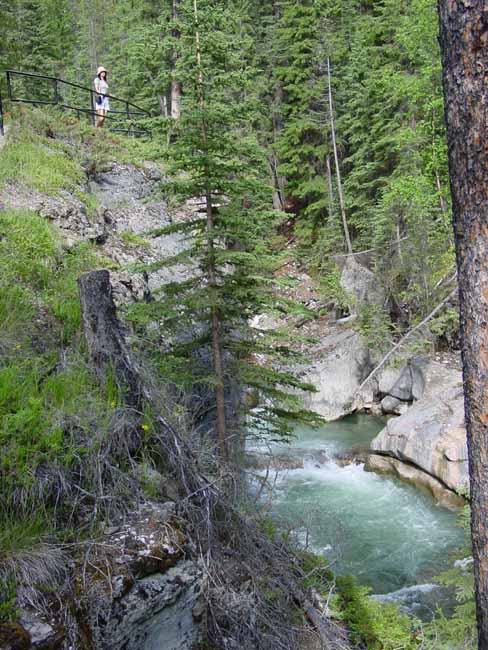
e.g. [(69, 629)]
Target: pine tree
[(217, 161)]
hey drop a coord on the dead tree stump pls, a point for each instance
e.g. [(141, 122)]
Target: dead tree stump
[(105, 338)]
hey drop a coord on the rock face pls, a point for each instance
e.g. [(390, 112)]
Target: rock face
[(151, 598), (125, 212), (343, 361), (431, 434), (415, 476)]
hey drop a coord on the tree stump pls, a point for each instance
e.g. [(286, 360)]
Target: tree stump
[(105, 338)]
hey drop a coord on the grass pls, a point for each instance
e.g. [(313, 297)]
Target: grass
[(132, 240)]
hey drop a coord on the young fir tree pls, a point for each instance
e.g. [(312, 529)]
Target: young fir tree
[(217, 161)]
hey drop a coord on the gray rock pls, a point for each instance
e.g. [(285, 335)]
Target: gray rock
[(42, 634), (415, 476), (361, 284), (343, 361), (387, 379), (151, 592), (156, 613), (431, 434), (410, 384), (392, 405)]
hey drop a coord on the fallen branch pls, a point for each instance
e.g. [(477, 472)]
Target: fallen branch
[(404, 338)]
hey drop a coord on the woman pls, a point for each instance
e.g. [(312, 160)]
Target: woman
[(101, 101)]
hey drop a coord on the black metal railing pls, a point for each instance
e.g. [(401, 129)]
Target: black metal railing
[(41, 90)]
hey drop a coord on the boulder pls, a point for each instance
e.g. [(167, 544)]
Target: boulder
[(360, 283), (343, 361), (431, 434), (387, 378), (410, 383), (393, 406)]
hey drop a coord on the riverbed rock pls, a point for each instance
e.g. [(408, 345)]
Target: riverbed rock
[(431, 434), (342, 362), (393, 406)]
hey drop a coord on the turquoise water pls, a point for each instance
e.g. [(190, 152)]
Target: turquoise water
[(388, 534)]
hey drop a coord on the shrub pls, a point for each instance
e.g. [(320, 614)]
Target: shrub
[(379, 626)]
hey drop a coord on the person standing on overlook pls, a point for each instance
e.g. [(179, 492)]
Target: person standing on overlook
[(101, 101)]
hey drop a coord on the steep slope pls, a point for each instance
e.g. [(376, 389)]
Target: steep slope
[(119, 530)]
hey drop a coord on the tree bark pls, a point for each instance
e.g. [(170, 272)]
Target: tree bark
[(464, 40), (347, 236), (176, 88), (105, 338)]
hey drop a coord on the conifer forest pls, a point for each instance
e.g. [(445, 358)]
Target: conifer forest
[(243, 342)]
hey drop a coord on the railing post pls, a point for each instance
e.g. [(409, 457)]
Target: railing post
[(2, 129), (127, 110), (56, 91), (9, 86), (92, 104)]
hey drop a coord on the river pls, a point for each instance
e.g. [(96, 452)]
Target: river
[(390, 535)]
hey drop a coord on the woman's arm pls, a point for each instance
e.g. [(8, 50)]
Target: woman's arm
[(96, 83)]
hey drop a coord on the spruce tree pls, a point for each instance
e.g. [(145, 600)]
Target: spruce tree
[(217, 161)]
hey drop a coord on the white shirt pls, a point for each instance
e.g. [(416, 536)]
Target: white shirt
[(101, 86)]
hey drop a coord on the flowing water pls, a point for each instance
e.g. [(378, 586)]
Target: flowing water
[(390, 535)]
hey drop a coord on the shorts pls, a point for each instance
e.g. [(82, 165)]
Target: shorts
[(104, 106)]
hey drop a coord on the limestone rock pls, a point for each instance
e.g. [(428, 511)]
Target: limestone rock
[(343, 361), (360, 283), (392, 405), (431, 434)]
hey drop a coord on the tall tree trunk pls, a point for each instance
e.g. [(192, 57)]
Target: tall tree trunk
[(215, 323), (176, 88), (347, 236), (464, 40)]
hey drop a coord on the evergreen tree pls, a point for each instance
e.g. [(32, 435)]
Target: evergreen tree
[(217, 161)]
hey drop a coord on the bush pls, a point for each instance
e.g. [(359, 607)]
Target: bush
[(379, 626)]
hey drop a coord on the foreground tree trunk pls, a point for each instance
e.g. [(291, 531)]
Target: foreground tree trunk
[(464, 39)]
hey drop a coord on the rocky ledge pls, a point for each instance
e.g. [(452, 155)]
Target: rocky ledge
[(134, 588), (426, 444)]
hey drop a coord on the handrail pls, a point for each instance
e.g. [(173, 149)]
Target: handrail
[(57, 101)]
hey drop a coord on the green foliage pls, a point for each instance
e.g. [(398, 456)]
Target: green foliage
[(38, 167), (377, 626), (446, 326), (375, 326), (33, 266), (132, 240), (457, 632)]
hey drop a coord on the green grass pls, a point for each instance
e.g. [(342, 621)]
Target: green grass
[(132, 240), (36, 166)]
